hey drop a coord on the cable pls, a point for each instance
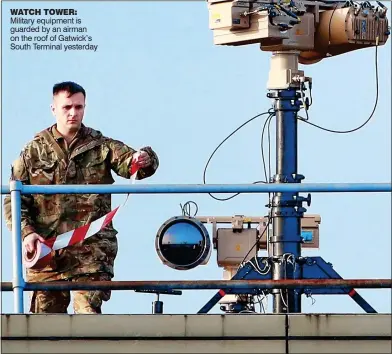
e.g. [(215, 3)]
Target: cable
[(205, 169), (310, 93), (186, 209), (304, 100), (269, 149), (286, 291), (262, 145), (269, 161), (284, 302), (256, 266), (286, 260), (268, 121), (260, 301), (329, 26), (269, 164), (313, 300), (375, 104)]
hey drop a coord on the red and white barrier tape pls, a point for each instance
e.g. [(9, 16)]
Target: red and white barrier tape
[(42, 254)]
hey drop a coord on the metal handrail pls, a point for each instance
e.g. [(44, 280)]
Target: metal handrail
[(201, 188), (167, 285)]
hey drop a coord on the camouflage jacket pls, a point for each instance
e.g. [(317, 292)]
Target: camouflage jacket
[(89, 159)]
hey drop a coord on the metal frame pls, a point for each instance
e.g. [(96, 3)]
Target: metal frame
[(317, 277), (18, 285)]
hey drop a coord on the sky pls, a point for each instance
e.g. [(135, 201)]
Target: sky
[(157, 79)]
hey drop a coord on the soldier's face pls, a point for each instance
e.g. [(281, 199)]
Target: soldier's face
[(69, 111)]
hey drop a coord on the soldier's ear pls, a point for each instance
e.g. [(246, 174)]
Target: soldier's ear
[(53, 109)]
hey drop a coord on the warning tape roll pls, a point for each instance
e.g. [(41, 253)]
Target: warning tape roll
[(43, 252)]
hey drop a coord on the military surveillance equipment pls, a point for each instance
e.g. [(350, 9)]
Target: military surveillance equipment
[(295, 32), (317, 29), (183, 242)]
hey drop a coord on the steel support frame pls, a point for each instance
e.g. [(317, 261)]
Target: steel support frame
[(314, 270)]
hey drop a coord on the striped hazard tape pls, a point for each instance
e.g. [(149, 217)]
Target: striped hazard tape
[(43, 252)]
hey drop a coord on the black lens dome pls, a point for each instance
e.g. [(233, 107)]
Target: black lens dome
[(182, 243)]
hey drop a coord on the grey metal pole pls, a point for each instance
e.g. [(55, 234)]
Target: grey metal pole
[(18, 282)]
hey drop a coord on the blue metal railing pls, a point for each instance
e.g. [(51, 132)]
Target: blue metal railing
[(16, 189), (202, 188)]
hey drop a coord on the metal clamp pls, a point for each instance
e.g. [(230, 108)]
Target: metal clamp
[(237, 223)]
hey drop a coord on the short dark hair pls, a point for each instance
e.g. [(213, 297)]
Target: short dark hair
[(68, 86)]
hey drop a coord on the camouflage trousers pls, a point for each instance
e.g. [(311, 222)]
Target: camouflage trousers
[(86, 302)]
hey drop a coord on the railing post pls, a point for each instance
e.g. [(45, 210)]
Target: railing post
[(18, 282)]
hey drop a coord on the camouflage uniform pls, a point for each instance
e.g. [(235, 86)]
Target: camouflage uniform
[(88, 159)]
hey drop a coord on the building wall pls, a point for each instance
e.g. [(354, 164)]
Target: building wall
[(259, 333)]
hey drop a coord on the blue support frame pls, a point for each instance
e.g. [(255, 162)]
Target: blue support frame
[(316, 267), (308, 267)]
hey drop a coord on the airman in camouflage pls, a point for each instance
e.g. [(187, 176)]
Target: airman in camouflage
[(71, 153)]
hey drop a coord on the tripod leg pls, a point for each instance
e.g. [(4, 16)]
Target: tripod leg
[(246, 272), (361, 301), (317, 268)]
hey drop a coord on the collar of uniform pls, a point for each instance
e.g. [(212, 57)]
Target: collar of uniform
[(57, 135)]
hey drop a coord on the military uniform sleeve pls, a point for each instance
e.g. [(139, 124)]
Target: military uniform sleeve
[(121, 157), (19, 172)]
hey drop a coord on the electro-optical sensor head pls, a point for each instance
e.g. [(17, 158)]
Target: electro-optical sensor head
[(183, 243)]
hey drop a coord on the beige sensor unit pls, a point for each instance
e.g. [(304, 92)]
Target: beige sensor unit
[(237, 242), (344, 30), (233, 25), (233, 246)]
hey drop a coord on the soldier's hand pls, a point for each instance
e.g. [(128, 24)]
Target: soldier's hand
[(144, 159), (30, 241)]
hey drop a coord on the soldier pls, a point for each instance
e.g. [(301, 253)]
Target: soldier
[(71, 153)]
